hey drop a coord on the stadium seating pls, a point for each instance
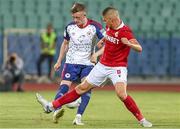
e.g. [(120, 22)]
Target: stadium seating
[(4, 7), (139, 8), (175, 54), (1, 51), (44, 20), (133, 66), (154, 22), (150, 12), (20, 21), (30, 7), (159, 24), (8, 21), (147, 24), (32, 22), (59, 23)]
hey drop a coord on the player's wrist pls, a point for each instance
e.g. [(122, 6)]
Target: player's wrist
[(129, 44), (58, 62), (96, 54)]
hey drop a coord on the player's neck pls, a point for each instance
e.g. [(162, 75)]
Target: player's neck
[(117, 25), (85, 23)]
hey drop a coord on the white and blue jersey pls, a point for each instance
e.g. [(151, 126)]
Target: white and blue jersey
[(82, 42), (81, 46)]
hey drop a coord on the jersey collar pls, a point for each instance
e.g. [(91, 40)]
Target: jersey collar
[(85, 25), (120, 26)]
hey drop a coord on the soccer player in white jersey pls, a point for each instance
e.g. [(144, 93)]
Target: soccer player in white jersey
[(118, 40), (78, 45)]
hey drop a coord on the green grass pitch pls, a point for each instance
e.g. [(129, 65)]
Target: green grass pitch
[(20, 110)]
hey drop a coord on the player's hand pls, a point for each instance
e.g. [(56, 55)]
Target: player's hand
[(125, 41), (100, 44), (57, 66), (94, 58)]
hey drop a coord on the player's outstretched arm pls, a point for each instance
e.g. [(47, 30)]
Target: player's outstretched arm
[(96, 54), (62, 52), (100, 44), (133, 43)]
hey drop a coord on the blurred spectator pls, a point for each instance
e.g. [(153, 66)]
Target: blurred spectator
[(48, 40), (13, 73)]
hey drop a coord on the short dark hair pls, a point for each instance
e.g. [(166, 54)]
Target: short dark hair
[(77, 7), (107, 10), (12, 59)]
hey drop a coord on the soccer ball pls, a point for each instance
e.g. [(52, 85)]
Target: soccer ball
[(74, 104)]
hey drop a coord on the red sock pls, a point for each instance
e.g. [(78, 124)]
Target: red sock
[(66, 98), (132, 107)]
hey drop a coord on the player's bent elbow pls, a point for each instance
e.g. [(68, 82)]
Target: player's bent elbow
[(140, 50)]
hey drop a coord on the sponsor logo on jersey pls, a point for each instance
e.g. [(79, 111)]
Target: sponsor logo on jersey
[(112, 39), (73, 33)]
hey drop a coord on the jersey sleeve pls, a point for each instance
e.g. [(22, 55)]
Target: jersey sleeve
[(127, 33), (99, 29), (99, 32), (66, 34)]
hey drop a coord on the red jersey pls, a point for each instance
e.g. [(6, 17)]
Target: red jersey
[(115, 52)]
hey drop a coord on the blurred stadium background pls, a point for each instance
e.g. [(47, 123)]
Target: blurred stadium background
[(154, 22)]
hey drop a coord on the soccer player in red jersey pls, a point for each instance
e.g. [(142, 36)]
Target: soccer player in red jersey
[(118, 41)]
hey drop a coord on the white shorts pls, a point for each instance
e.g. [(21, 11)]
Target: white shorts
[(100, 73)]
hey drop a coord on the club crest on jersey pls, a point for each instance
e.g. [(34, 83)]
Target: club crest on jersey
[(116, 34), (67, 75)]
